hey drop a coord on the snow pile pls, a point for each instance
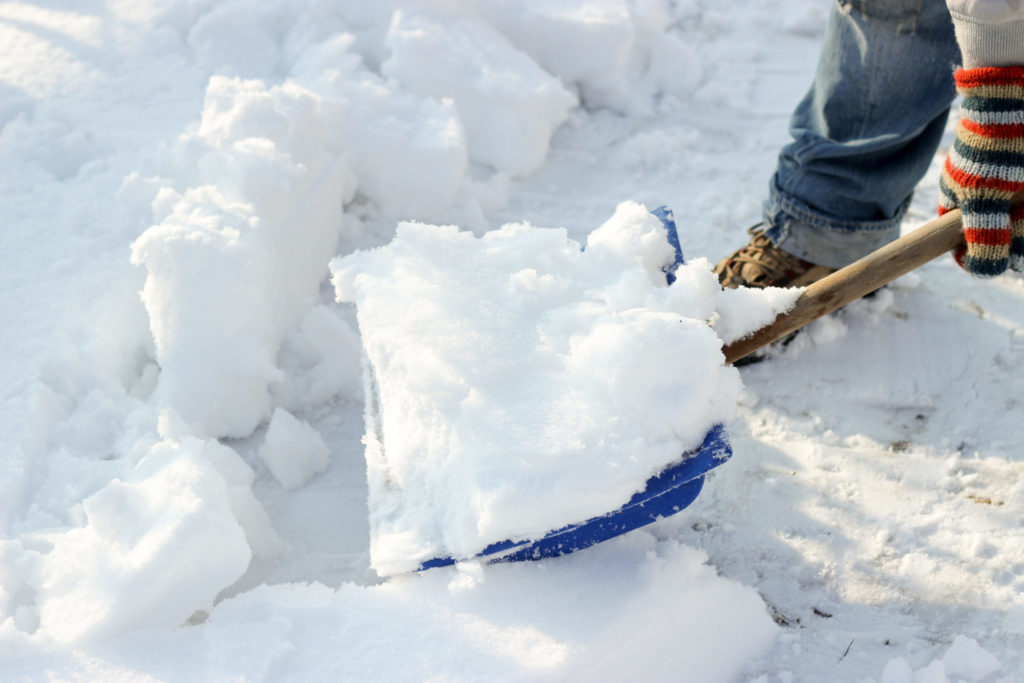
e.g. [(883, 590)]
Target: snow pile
[(874, 500), (594, 617), (505, 371), (520, 622)]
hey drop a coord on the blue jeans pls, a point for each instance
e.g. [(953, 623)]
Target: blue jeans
[(867, 130)]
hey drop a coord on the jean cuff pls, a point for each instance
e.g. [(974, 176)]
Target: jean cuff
[(798, 229)]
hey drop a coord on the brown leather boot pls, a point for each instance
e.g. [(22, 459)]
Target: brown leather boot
[(762, 264)]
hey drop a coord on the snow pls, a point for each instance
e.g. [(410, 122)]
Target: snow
[(965, 660), (153, 550), (293, 450), (508, 105), (504, 371), (177, 177)]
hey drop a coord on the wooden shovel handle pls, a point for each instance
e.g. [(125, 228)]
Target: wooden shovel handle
[(931, 240)]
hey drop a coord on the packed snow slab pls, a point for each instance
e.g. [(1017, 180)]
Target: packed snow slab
[(518, 382)]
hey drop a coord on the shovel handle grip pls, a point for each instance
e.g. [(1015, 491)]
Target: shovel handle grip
[(931, 240)]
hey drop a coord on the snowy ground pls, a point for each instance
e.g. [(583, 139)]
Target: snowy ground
[(166, 505)]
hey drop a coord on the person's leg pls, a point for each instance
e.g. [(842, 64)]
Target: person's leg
[(867, 130)]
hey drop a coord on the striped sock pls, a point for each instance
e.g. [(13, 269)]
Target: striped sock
[(986, 168)]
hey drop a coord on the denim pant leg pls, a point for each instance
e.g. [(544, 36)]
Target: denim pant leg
[(867, 130)]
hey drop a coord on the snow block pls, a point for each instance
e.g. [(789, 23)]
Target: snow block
[(156, 548), (517, 384), (508, 105), (234, 263), (293, 451), (590, 44)]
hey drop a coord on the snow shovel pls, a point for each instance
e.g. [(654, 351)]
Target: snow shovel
[(678, 485)]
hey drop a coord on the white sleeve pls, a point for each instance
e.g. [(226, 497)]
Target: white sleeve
[(990, 32)]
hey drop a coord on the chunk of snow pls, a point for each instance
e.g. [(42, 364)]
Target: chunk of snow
[(897, 671), (409, 152), (155, 549), (232, 267), (967, 659), (744, 310), (508, 105), (293, 450), (590, 43), (321, 361)]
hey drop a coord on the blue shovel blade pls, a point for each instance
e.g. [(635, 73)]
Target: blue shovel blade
[(664, 494)]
